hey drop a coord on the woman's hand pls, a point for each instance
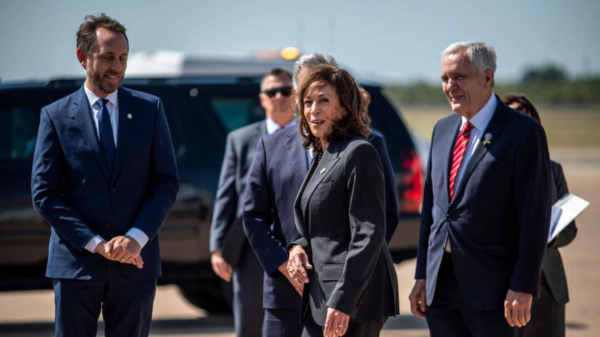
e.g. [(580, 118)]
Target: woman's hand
[(336, 323), (297, 265)]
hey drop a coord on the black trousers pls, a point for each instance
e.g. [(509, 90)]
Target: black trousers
[(248, 312), (361, 329), (282, 323), (448, 316), (547, 316), (126, 306)]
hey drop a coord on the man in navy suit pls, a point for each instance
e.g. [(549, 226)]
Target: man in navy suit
[(486, 207), (231, 255), (105, 178), (279, 167)]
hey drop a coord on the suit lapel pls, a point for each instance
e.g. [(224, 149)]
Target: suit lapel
[(330, 158), (82, 114), (448, 140), (297, 154), (298, 211), (262, 128), (125, 129), (494, 128)]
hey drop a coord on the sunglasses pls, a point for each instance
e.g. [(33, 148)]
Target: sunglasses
[(285, 91)]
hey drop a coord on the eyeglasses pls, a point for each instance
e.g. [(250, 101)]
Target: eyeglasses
[(285, 91)]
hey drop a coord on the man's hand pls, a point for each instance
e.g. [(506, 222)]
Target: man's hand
[(220, 266), (102, 249), (336, 323), (284, 270), (297, 265), (123, 249), (418, 300), (517, 308)]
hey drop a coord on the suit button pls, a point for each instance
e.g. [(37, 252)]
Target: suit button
[(109, 225), (448, 217), (113, 191)]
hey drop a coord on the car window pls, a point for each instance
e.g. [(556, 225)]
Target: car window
[(18, 132), (233, 113)]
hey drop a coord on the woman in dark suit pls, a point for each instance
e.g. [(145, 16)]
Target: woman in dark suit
[(548, 313), (350, 284)]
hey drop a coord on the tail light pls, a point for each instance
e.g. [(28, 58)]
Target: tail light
[(411, 195)]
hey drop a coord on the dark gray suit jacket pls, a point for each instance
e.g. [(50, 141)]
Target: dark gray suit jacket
[(227, 232), (277, 173), (499, 219), (340, 213), (552, 267)]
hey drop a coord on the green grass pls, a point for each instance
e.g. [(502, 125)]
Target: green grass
[(565, 127)]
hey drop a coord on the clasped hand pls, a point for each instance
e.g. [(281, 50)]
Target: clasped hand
[(298, 264), (122, 249), (285, 271)]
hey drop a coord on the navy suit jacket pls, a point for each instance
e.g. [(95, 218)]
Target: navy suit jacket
[(279, 168), (227, 232), (499, 219), (74, 192)]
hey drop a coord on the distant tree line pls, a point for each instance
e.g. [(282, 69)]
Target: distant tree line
[(544, 85)]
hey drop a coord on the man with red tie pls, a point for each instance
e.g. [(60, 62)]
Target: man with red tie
[(486, 207)]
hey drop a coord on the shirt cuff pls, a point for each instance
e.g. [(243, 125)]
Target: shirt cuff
[(138, 236), (91, 246)]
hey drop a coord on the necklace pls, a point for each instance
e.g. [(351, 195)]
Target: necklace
[(319, 155)]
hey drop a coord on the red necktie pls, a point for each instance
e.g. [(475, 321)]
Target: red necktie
[(459, 153)]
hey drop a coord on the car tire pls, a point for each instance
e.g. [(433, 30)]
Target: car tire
[(214, 296)]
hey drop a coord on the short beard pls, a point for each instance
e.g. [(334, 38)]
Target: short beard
[(96, 81)]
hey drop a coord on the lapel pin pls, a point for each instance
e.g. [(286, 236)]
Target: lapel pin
[(129, 116), (487, 137), (323, 170)]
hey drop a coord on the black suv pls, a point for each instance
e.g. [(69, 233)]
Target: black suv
[(200, 111)]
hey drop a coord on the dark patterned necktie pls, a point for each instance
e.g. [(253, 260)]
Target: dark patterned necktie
[(107, 139)]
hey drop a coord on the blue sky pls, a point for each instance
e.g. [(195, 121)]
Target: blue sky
[(390, 41)]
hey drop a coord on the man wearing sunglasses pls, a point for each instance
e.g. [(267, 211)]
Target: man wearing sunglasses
[(232, 256)]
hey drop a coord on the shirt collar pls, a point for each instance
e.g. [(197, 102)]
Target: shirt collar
[(93, 98), (273, 127), (483, 117)]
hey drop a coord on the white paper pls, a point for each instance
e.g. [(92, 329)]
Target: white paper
[(565, 210)]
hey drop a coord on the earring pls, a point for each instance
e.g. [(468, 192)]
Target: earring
[(346, 115)]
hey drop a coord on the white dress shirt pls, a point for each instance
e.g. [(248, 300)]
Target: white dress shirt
[(273, 127), (480, 122), (112, 106), (113, 112)]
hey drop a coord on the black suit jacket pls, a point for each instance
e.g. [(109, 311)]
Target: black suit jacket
[(552, 267), (499, 219), (340, 212), (278, 170), (227, 232)]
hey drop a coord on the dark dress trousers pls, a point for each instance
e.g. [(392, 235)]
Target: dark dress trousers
[(497, 223), (227, 232), (278, 170), (74, 191), (340, 213), (548, 313)]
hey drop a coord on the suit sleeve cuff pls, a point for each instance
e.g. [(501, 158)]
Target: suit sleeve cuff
[(138, 236), (274, 261), (91, 246), (302, 242)]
